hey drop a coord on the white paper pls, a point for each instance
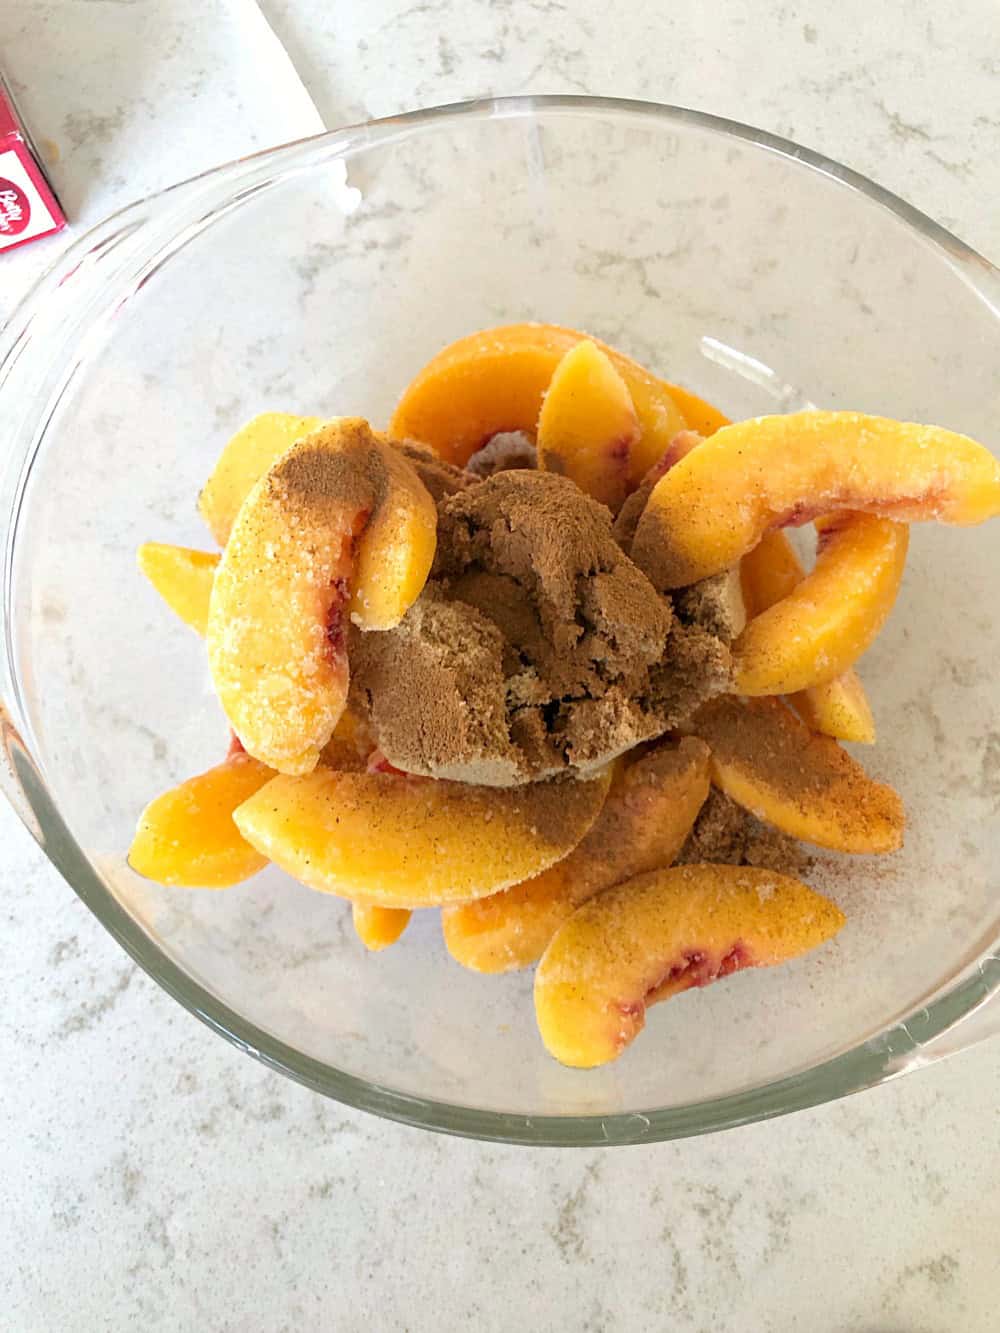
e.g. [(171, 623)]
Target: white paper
[(126, 99)]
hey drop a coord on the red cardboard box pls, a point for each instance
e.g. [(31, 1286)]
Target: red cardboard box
[(28, 207)]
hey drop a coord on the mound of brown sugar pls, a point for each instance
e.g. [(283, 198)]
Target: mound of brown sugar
[(726, 834), (440, 478), (536, 647)]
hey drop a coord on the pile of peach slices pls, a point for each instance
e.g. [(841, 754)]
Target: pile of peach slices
[(577, 874)]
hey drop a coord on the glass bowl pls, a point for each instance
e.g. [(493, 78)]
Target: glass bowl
[(317, 278)]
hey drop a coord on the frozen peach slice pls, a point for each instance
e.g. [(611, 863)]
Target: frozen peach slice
[(251, 452), (182, 577), (416, 842), (187, 836), (767, 760), (378, 927), (649, 812), (662, 933), (838, 708), (588, 426), (700, 415), (770, 472), (494, 381), (830, 617), (340, 525)]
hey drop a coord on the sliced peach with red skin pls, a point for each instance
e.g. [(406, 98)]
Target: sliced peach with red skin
[(838, 708), (771, 472), (182, 577), (416, 842), (379, 927), (251, 452), (768, 761), (495, 380), (340, 525), (588, 426), (662, 933), (652, 804), (187, 837)]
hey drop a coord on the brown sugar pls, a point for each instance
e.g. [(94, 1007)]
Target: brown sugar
[(440, 477), (715, 604), (726, 834), (817, 785), (352, 474), (537, 646)]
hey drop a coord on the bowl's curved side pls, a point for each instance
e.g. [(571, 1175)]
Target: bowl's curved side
[(48, 342)]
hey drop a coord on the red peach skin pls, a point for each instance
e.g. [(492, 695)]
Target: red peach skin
[(340, 525), (770, 472), (659, 934)]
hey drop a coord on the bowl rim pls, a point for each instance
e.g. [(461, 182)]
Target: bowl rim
[(903, 1045)]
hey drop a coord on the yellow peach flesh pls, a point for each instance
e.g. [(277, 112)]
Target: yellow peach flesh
[(495, 380), (717, 503), (767, 760), (297, 559), (251, 452), (667, 931), (412, 842), (182, 577), (588, 426), (820, 628), (839, 708), (650, 809), (187, 837), (379, 927)]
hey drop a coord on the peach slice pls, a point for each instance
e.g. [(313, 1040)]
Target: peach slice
[(416, 842), (649, 812), (378, 927), (251, 452), (182, 577), (832, 616), (700, 415), (187, 836), (627, 518), (662, 933), (349, 747), (494, 381), (588, 426), (767, 760), (770, 472), (838, 708), (340, 524)]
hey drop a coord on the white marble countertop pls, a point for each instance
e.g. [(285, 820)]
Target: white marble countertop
[(156, 1178)]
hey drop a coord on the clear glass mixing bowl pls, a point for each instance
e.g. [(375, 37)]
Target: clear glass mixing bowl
[(317, 278)]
